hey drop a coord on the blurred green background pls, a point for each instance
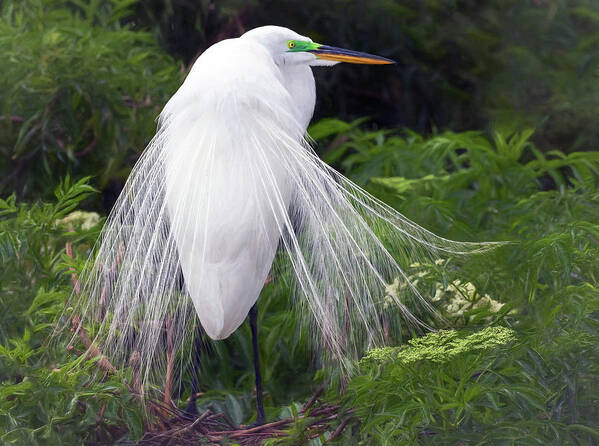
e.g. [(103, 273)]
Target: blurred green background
[(485, 129)]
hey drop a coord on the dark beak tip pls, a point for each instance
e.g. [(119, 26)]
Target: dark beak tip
[(324, 50)]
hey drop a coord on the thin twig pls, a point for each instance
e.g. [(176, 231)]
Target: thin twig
[(109, 277), (257, 428), (182, 431), (91, 146), (101, 413)]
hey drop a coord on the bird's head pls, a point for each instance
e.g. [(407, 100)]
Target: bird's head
[(290, 48)]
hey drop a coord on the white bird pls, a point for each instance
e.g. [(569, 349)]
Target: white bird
[(228, 215), (227, 181)]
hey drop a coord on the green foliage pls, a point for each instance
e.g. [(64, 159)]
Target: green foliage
[(484, 383), (44, 397), (470, 391), (441, 346), (32, 243), (465, 177), (80, 92), (519, 365), (483, 393), (443, 388)]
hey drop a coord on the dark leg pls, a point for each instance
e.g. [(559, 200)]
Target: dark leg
[(260, 418), (192, 409)]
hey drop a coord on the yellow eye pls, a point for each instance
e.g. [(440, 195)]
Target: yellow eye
[(290, 44)]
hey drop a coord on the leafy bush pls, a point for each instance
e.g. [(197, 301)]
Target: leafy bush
[(543, 286), (448, 387), (80, 93), (32, 243), (45, 398)]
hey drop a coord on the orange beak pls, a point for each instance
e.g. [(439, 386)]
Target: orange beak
[(342, 55)]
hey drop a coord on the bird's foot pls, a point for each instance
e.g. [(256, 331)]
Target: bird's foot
[(191, 410), (260, 420)]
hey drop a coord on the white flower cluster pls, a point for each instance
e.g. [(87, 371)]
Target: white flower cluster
[(391, 293), (456, 299), (463, 297), (80, 219)]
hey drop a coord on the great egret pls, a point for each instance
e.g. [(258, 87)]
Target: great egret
[(228, 179)]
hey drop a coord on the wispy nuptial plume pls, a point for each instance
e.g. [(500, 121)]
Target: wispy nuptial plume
[(228, 182)]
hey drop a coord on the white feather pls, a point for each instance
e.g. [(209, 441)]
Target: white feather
[(213, 197)]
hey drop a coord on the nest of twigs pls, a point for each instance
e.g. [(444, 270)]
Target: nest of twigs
[(217, 428)]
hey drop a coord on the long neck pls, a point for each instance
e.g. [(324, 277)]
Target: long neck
[(299, 81)]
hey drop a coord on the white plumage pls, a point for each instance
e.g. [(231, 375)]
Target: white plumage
[(225, 229), (213, 197)]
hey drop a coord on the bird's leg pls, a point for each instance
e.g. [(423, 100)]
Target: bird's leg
[(260, 418), (192, 408)]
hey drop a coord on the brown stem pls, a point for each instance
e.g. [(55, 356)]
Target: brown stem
[(339, 429), (92, 350), (18, 119), (74, 279), (89, 147), (101, 413), (255, 429), (312, 400), (135, 363), (170, 361), (109, 277)]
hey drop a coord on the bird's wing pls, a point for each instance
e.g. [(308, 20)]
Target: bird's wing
[(225, 187), (224, 197)]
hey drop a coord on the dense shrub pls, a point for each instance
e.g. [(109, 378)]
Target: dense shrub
[(79, 93)]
